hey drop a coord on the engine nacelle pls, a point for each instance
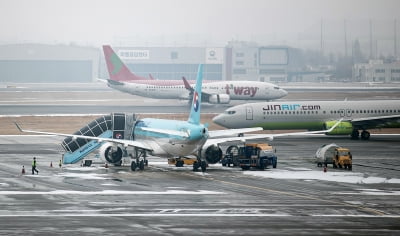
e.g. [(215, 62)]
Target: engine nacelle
[(212, 154), (110, 153), (344, 128), (219, 99)]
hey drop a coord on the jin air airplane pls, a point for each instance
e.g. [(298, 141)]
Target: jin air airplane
[(157, 137), (314, 115), (214, 92)]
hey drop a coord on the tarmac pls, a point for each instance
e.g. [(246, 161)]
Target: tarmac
[(296, 198)]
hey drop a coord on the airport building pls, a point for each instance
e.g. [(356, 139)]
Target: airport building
[(170, 63), (377, 71), (39, 63), (236, 61)]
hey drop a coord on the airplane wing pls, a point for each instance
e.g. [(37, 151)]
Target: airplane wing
[(230, 132), (217, 141), (166, 131), (374, 122), (101, 80), (123, 142), (204, 95)]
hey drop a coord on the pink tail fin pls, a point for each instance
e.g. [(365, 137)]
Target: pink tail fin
[(116, 68)]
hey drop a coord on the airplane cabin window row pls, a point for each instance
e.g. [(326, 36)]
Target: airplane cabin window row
[(331, 112)]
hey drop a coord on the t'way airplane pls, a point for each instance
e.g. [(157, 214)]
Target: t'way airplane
[(160, 137), (214, 92), (315, 115)]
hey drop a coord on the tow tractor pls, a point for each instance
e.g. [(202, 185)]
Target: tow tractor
[(179, 162), (257, 155)]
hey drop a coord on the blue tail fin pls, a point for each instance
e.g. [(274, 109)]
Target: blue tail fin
[(194, 116)]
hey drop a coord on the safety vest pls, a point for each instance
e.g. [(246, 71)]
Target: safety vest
[(34, 163)]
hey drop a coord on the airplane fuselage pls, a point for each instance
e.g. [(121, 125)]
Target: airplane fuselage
[(237, 90), (310, 115), (167, 144)]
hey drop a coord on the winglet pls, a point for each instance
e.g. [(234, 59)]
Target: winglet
[(194, 116), (117, 70), (186, 83)]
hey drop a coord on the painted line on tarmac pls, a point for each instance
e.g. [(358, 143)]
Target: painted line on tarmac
[(189, 215)]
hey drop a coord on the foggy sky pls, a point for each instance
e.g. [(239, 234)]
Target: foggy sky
[(190, 23)]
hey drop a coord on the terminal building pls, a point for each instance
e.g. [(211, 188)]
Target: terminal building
[(38, 63), (377, 71)]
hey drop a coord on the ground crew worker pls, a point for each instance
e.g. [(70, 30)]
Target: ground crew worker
[(59, 164), (34, 166)]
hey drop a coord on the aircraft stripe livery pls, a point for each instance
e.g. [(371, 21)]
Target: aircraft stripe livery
[(214, 92), (315, 115)]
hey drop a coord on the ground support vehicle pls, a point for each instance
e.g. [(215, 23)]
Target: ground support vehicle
[(257, 155), (339, 157)]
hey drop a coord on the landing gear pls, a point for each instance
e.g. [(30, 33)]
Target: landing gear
[(139, 160), (365, 135), (200, 164), (355, 134)]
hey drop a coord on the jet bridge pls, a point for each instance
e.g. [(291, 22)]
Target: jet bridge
[(115, 125)]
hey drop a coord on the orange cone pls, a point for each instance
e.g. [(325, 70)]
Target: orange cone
[(51, 164), (325, 169), (23, 170)]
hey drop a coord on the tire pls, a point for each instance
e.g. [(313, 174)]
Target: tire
[(203, 166), (141, 165), (350, 167), (133, 166), (179, 163), (319, 164), (196, 166)]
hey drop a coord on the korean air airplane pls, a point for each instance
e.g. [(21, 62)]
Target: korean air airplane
[(314, 115), (157, 137), (214, 92)]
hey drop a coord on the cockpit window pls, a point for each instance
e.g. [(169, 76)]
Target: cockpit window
[(230, 112)]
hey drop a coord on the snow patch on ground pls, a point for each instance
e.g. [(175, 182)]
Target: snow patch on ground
[(307, 175)]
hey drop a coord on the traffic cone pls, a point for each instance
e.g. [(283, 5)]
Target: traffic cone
[(51, 164), (325, 169), (23, 170)]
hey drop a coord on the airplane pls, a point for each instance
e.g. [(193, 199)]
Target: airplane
[(315, 115), (161, 137), (214, 92)]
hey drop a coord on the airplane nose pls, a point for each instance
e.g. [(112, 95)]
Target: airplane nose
[(284, 92), (218, 120)]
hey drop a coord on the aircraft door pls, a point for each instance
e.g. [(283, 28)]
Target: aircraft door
[(249, 113)]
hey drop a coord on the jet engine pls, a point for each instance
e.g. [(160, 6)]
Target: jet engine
[(111, 153), (212, 154), (344, 128), (219, 99)]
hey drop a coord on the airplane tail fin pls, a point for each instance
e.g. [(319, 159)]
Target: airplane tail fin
[(117, 70), (194, 116)]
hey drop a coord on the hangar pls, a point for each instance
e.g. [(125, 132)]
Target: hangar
[(39, 63)]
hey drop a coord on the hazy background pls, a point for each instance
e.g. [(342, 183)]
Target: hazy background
[(295, 23)]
